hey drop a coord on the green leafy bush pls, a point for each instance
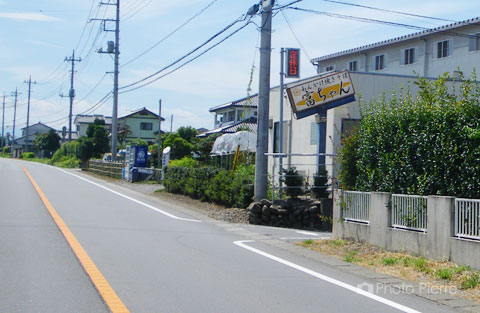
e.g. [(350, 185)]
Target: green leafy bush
[(184, 162), (428, 144), (28, 155), (212, 184), (320, 184), (294, 182)]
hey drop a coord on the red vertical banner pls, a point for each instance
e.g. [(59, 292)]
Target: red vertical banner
[(293, 63)]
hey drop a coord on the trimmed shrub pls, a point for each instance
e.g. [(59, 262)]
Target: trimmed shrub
[(294, 182), (426, 145), (212, 184), (28, 155)]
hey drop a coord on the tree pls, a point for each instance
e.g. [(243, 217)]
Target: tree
[(49, 141), (99, 138), (204, 146), (180, 147), (188, 133)]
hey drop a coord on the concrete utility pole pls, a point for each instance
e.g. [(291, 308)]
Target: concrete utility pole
[(261, 160), (3, 121), (171, 123), (113, 48), (71, 93), (159, 132), (29, 82), (280, 122), (15, 94)]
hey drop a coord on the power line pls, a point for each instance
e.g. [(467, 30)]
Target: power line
[(140, 7), (170, 34), (391, 11), (369, 20), (242, 18), (295, 35), (183, 64)]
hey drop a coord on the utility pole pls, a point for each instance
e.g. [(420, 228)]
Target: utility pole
[(171, 123), (261, 160), (29, 82), (15, 94), (113, 48), (71, 93), (3, 121), (280, 122), (159, 132)]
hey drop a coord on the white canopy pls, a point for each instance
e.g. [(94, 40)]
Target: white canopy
[(228, 143)]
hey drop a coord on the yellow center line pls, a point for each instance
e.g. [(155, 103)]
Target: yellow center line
[(106, 291)]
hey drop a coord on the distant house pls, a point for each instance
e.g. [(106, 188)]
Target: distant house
[(82, 121), (21, 143), (235, 111), (141, 123)]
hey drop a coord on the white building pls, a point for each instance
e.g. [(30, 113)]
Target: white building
[(235, 111), (82, 121), (375, 69)]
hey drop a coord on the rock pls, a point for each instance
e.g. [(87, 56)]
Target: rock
[(254, 220), (266, 210), (266, 202), (255, 207), (266, 218), (282, 212)]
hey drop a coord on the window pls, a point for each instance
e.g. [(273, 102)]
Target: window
[(474, 42), (352, 66), (408, 56), (443, 49), (379, 62), (313, 133), (276, 137), (146, 126), (329, 68), (231, 116)]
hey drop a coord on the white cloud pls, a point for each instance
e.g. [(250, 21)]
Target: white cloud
[(35, 17)]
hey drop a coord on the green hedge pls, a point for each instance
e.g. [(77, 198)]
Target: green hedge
[(212, 184), (427, 144)]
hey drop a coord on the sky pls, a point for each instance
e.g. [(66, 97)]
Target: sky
[(37, 36)]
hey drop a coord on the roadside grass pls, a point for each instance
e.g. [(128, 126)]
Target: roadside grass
[(439, 274)]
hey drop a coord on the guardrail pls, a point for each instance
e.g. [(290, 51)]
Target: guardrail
[(111, 169), (467, 218), (409, 212), (356, 206)]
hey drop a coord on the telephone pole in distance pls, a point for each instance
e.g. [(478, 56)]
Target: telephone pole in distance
[(29, 82), (71, 93)]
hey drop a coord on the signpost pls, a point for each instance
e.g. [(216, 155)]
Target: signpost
[(320, 94), (293, 63)]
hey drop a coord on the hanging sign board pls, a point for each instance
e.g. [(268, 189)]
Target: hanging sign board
[(321, 93), (293, 63)]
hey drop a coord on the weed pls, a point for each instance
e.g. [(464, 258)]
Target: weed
[(337, 242), (408, 261), (462, 268), (444, 273), (421, 264), (471, 281), (389, 261), (350, 257), (308, 241)]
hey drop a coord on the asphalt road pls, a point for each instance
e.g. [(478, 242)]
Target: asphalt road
[(156, 256)]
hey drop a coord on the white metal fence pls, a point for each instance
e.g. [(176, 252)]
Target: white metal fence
[(409, 212), (356, 206), (467, 218)]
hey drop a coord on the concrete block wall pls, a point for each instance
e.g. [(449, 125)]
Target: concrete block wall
[(438, 242)]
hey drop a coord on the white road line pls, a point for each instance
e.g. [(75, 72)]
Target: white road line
[(241, 243), (132, 199), (306, 233), (302, 238)]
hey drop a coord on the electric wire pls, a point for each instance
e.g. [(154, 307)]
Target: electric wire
[(242, 18), (295, 36), (390, 11), (388, 23), (169, 34), (187, 62)]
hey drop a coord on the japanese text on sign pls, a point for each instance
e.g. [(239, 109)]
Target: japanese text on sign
[(293, 62), (320, 91)]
